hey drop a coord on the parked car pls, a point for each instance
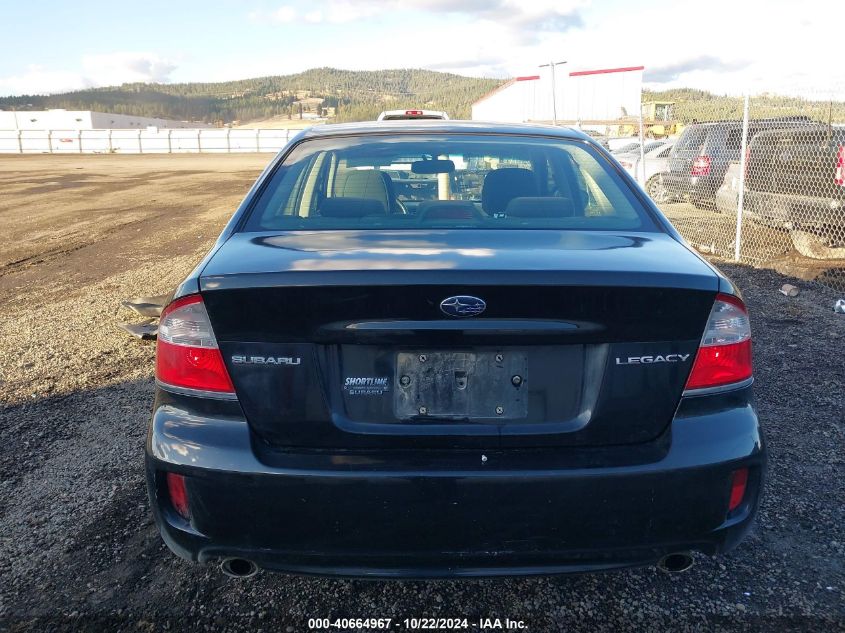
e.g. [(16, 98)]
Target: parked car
[(630, 148), (796, 180), (598, 137), (626, 148), (727, 195), (530, 374), (412, 115), (656, 163), (621, 141), (701, 156)]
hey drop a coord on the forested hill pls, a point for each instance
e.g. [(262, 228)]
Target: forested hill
[(346, 95), (354, 95), (691, 104)]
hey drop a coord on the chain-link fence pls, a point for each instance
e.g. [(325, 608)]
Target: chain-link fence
[(781, 160)]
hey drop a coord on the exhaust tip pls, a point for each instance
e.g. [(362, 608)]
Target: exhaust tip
[(675, 562), (238, 567)]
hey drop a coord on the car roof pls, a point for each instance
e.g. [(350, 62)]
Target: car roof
[(406, 110), (439, 126), (776, 122)]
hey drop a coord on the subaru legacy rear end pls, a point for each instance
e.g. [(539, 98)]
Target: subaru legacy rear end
[(451, 349)]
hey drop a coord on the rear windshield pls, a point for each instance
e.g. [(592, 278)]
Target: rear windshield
[(445, 181), (692, 139)]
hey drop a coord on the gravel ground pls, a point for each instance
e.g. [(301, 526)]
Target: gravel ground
[(81, 552), (714, 233)]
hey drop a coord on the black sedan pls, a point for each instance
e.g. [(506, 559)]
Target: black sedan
[(452, 349)]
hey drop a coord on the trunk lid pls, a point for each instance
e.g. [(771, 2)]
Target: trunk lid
[(337, 338)]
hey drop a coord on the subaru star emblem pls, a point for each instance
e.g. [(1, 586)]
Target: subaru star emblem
[(463, 306)]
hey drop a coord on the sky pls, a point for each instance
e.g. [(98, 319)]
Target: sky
[(725, 46)]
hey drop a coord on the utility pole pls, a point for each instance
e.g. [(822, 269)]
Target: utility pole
[(551, 66)]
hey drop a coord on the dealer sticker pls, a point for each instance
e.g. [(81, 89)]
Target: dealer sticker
[(366, 385)]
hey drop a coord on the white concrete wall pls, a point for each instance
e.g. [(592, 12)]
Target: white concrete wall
[(514, 103), (45, 120), (143, 141), (590, 97), (8, 120), (105, 120)]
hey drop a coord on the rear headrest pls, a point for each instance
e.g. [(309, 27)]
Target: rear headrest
[(390, 188), (362, 183), (351, 207), (503, 185), (540, 208)]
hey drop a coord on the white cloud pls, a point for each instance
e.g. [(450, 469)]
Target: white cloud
[(122, 67), (337, 12), (728, 48), (37, 80), (345, 12), (525, 20), (95, 70), (284, 15), (680, 68)]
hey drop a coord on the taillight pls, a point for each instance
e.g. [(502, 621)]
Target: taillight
[(700, 166), (187, 355), (724, 355), (413, 112), (178, 494), (739, 481), (839, 178)]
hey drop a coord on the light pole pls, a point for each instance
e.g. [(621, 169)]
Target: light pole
[(551, 66)]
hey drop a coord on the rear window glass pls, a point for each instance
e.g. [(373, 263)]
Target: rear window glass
[(446, 181), (734, 141), (692, 139)]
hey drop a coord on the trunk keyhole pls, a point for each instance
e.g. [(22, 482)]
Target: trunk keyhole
[(461, 379)]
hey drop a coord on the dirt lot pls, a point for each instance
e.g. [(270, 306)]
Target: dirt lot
[(80, 233)]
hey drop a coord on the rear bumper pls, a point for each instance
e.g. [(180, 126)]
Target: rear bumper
[(699, 188), (795, 210), (727, 199), (446, 514)]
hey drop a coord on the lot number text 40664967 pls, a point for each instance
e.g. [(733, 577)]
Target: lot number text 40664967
[(417, 624), (447, 624)]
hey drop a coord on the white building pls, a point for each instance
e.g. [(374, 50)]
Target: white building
[(84, 120), (582, 95)]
